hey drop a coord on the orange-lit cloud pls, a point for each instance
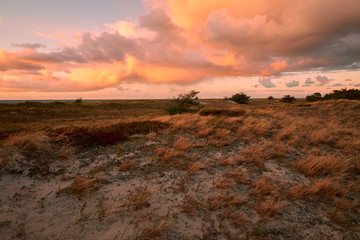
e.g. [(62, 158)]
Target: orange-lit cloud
[(187, 41)]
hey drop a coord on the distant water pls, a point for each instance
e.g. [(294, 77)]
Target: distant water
[(50, 101)]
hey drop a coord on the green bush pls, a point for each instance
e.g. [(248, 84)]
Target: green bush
[(184, 103), (240, 98), (288, 99), (78, 101), (343, 94), (314, 97), (189, 98)]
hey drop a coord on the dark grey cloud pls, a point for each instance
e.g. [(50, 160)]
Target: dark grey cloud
[(338, 85)]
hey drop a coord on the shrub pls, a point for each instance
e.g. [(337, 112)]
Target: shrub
[(271, 98), (184, 103), (78, 101), (288, 99), (314, 97), (179, 109), (189, 98), (343, 94), (104, 136), (240, 98)]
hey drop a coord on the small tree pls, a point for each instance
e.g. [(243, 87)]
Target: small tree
[(288, 99), (240, 98), (271, 98), (314, 97), (78, 101), (189, 98), (184, 103)]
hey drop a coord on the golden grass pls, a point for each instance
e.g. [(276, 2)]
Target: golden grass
[(238, 176), (182, 144), (225, 183), (139, 198), (81, 184), (126, 165), (156, 232), (66, 151), (226, 161), (268, 207), (325, 187), (30, 141), (258, 153), (317, 165), (193, 168), (190, 205), (263, 186)]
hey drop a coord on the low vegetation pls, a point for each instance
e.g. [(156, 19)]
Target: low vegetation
[(240, 98), (130, 170)]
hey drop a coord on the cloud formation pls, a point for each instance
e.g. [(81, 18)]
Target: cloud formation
[(29, 45), (266, 82), (322, 80), (188, 41), (293, 83)]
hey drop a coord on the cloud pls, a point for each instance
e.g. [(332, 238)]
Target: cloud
[(357, 85), (2, 20), (293, 83), (348, 80), (308, 82), (322, 80), (184, 42), (29, 45), (338, 85), (266, 82)]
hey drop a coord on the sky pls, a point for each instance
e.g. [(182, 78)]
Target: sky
[(145, 49)]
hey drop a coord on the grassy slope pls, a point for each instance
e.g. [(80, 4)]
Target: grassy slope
[(289, 170)]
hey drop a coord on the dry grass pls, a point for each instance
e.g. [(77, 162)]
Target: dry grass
[(190, 206), (80, 186), (317, 165), (193, 168), (30, 141), (263, 186), (238, 175), (204, 132), (268, 207), (226, 161), (66, 151), (168, 154), (258, 153), (325, 187), (126, 165), (139, 198), (182, 144), (156, 232), (225, 183), (357, 164)]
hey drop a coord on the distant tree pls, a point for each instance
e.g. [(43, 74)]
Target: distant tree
[(189, 98), (288, 99), (78, 101), (240, 98), (343, 94), (184, 103), (314, 97), (271, 98)]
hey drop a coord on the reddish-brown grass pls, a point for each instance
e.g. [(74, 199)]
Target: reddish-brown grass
[(126, 165), (324, 187), (139, 198), (315, 165), (268, 207), (263, 186), (193, 168), (226, 161), (190, 205), (182, 144)]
